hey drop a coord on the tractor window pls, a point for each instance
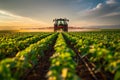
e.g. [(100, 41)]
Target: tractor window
[(58, 22), (62, 22)]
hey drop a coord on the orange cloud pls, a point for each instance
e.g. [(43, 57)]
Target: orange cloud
[(9, 19)]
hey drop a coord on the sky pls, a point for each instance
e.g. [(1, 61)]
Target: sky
[(16, 14)]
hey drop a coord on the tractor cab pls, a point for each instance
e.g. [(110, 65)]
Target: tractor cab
[(60, 24)]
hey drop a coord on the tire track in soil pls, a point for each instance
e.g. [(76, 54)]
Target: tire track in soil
[(84, 67)]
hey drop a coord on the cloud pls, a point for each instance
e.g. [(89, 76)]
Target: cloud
[(41, 12), (17, 17), (112, 14), (9, 20), (37, 9), (111, 1), (108, 12)]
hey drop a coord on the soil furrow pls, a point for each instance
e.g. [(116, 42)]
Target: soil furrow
[(40, 70), (84, 67)]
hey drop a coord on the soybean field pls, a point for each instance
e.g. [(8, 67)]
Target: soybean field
[(60, 55)]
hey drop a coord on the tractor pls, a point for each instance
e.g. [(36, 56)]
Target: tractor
[(60, 24)]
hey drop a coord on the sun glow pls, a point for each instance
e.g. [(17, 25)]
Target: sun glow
[(10, 19)]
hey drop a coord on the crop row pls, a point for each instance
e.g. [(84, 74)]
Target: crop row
[(14, 68), (6, 37), (100, 48), (62, 63), (9, 49), (103, 51)]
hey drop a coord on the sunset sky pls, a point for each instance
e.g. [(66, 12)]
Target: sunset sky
[(15, 14)]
